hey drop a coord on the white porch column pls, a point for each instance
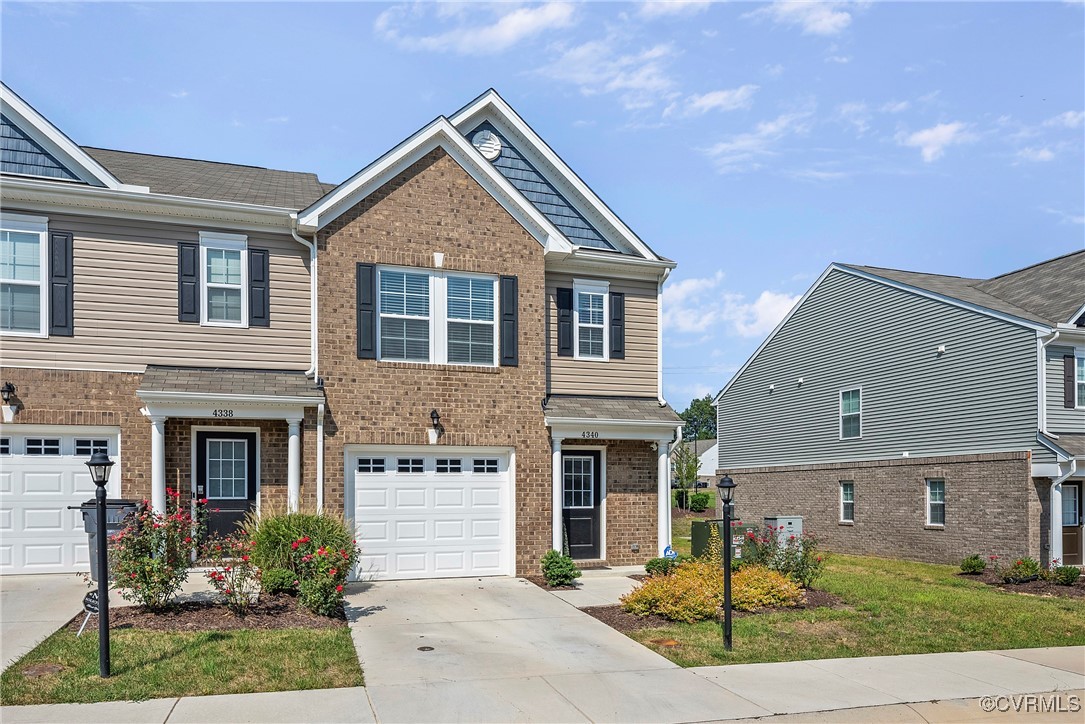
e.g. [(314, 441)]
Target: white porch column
[(158, 463), (555, 469), (663, 517), (293, 465), (1055, 532)]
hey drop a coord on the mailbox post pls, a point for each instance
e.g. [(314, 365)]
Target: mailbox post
[(99, 466)]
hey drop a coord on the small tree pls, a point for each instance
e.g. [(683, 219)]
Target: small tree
[(686, 466)]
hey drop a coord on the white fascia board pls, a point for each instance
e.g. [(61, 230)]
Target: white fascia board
[(217, 398), (53, 140), (610, 264), (494, 107), (1045, 442), (41, 195), (571, 428), (439, 133), (1075, 316)]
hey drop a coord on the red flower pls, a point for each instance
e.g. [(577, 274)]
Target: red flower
[(332, 572), (202, 501), (294, 545), (339, 588), (245, 558)]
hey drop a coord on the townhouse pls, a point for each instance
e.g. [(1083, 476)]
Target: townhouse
[(920, 416), (458, 348)]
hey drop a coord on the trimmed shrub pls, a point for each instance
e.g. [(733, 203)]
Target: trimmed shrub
[(660, 566), (691, 593), (1065, 575), (322, 596), (278, 580), (276, 533), (755, 587), (973, 564), (699, 502), (559, 570)]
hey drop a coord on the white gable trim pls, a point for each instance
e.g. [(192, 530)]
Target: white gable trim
[(53, 140), (439, 133), (1076, 315), (491, 106), (952, 301)]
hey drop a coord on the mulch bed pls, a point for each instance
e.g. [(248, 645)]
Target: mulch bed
[(541, 583), (270, 612), (617, 618), (1033, 588)]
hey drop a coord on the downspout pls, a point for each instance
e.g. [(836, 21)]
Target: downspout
[(311, 246), (1041, 361), (320, 458), (659, 337), (1054, 533)]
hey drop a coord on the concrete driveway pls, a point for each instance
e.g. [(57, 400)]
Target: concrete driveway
[(32, 607), (502, 649)]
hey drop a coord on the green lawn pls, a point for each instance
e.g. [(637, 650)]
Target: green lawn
[(893, 607), (152, 664)]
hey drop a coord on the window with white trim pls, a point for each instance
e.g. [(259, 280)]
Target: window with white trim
[(449, 465), (851, 413), (85, 447), (24, 264), (224, 279), (43, 446), (936, 502), (590, 307), (5, 446), (409, 465), (370, 465), (1079, 379), (847, 501), (485, 465), (437, 317)]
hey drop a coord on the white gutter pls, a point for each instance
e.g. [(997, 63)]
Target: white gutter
[(659, 337), (320, 458), (1055, 528), (1041, 361), (313, 349)]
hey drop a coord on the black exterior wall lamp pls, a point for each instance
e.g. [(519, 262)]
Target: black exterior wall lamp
[(435, 418), (7, 392)]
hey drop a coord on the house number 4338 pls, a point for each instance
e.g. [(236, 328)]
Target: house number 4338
[(223, 413)]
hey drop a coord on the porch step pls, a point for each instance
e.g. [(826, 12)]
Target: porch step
[(591, 565)]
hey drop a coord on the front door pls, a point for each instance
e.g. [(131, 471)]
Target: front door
[(1071, 524), (580, 483), (226, 476)]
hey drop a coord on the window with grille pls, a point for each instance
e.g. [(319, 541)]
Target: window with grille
[(409, 465), (936, 502), (5, 446), (449, 465), (851, 414), (370, 465), (591, 315), (43, 446), (847, 502), (579, 474), (85, 447), (485, 465)]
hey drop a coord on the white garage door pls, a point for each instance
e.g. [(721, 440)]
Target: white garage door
[(425, 514), (42, 472)]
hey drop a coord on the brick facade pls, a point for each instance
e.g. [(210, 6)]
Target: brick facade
[(993, 507), (632, 487)]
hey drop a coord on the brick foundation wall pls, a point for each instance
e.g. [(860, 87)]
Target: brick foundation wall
[(991, 505), (435, 206), (632, 487)]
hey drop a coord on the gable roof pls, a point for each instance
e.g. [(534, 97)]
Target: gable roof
[(21, 154), (1053, 289), (212, 180)]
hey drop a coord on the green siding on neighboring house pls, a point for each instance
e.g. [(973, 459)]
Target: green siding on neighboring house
[(980, 396)]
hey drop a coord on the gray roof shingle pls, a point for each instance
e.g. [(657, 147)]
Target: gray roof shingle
[(1048, 293), (229, 381), (589, 407), (212, 180)]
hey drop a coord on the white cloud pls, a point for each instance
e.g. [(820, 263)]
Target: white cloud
[(673, 7), (774, 71), (277, 119), (732, 99), (179, 94), (814, 174), (855, 113), (640, 79), (744, 152), (1069, 119), (816, 18), (838, 59), (694, 305), (1035, 154), (933, 142), (1064, 218), (472, 36), (895, 107)]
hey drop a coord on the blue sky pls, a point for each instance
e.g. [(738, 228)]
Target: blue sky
[(753, 143)]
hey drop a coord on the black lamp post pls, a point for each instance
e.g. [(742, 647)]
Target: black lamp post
[(99, 465), (726, 489)]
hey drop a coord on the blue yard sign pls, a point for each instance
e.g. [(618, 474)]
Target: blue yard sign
[(669, 552)]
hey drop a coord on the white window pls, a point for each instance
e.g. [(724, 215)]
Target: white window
[(936, 502), (228, 469), (1080, 380), (86, 447), (224, 259), (590, 310), (851, 413), (485, 465), (43, 446), (449, 465), (579, 475), (847, 501), (370, 465), (409, 465), (24, 268), (437, 317)]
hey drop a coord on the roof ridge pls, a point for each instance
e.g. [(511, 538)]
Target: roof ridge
[(1033, 266), (203, 160), (912, 271)]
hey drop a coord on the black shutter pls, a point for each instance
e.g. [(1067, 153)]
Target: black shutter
[(366, 291), (188, 282), (510, 322), (617, 325), (1068, 397), (259, 288), (61, 313), (565, 322)]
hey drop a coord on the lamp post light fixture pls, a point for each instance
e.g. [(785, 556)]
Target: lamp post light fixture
[(435, 418), (99, 466), (7, 391), (726, 489)]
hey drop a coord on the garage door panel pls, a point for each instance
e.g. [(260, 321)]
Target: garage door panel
[(83, 484), (431, 524), (7, 520), (6, 479), (43, 483), (43, 555), (43, 520)]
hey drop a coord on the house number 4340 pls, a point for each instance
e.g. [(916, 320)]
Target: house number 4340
[(589, 435), (223, 413)]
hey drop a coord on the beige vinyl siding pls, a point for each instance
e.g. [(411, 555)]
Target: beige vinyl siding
[(634, 376), (125, 294), (1059, 417), (980, 396)]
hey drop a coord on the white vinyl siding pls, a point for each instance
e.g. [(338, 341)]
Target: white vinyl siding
[(851, 414), (590, 309), (23, 272), (936, 503), (437, 317), (224, 279)]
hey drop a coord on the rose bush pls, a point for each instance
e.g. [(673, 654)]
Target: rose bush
[(796, 557), (232, 572)]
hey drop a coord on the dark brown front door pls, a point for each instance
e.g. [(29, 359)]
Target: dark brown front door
[(580, 483), (226, 476), (1071, 524)]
